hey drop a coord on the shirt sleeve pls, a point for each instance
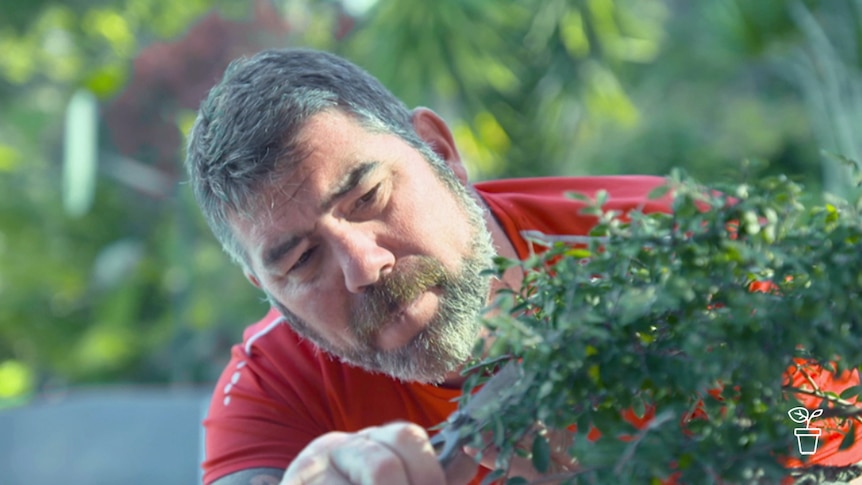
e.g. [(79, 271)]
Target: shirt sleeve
[(256, 418)]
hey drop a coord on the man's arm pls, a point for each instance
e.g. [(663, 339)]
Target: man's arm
[(397, 453), (253, 476)]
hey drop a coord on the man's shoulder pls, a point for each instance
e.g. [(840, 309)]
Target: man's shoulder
[(277, 368), (270, 356), (620, 185), (270, 322), (529, 206), (271, 342)]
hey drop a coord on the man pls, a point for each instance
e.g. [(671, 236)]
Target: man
[(354, 216)]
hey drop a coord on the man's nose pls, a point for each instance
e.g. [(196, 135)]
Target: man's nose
[(362, 259)]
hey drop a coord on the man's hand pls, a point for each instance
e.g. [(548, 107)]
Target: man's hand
[(398, 453)]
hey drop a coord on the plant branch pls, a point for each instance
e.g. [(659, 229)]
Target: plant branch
[(848, 409)]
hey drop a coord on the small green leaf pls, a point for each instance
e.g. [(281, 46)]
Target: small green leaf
[(504, 263), (493, 476), (578, 196), (601, 197), (591, 211), (659, 191), (541, 454), (851, 392), (578, 253), (517, 481), (849, 438), (499, 430)]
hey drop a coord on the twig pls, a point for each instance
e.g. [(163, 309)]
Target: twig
[(850, 410)]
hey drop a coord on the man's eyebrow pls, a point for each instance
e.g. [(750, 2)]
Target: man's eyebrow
[(349, 182), (274, 254)]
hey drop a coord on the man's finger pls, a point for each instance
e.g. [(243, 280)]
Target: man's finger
[(461, 469), (410, 443), (313, 465), (365, 461)]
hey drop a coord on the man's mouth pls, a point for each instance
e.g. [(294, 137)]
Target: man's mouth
[(394, 300), (409, 320), (401, 310)]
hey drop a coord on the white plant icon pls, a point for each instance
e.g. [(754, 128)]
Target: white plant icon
[(801, 415), (807, 438)]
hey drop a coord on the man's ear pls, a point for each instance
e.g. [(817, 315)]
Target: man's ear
[(251, 277), (434, 131)]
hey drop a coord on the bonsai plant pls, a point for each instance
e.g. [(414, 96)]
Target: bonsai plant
[(695, 325)]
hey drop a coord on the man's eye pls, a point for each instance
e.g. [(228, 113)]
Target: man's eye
[(303, 259), (368, 197)]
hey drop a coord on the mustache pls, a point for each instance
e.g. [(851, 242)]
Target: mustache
[(403, 284)]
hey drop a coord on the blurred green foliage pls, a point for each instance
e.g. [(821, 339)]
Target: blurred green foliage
[(137, 290)]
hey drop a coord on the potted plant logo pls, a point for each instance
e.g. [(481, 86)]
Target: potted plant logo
[(807, 438)]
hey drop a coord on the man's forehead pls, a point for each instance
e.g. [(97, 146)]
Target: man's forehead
[(326, 150), (282, 190), (291, 201), (323, 148), (327, 128)]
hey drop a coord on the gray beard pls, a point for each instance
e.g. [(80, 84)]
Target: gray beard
[(441, 347)]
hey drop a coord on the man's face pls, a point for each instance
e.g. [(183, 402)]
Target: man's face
[(370, 253)]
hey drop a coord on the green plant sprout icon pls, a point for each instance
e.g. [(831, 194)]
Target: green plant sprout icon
[(807, 438)]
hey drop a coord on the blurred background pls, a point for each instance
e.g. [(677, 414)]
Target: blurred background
[(118, 308)]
